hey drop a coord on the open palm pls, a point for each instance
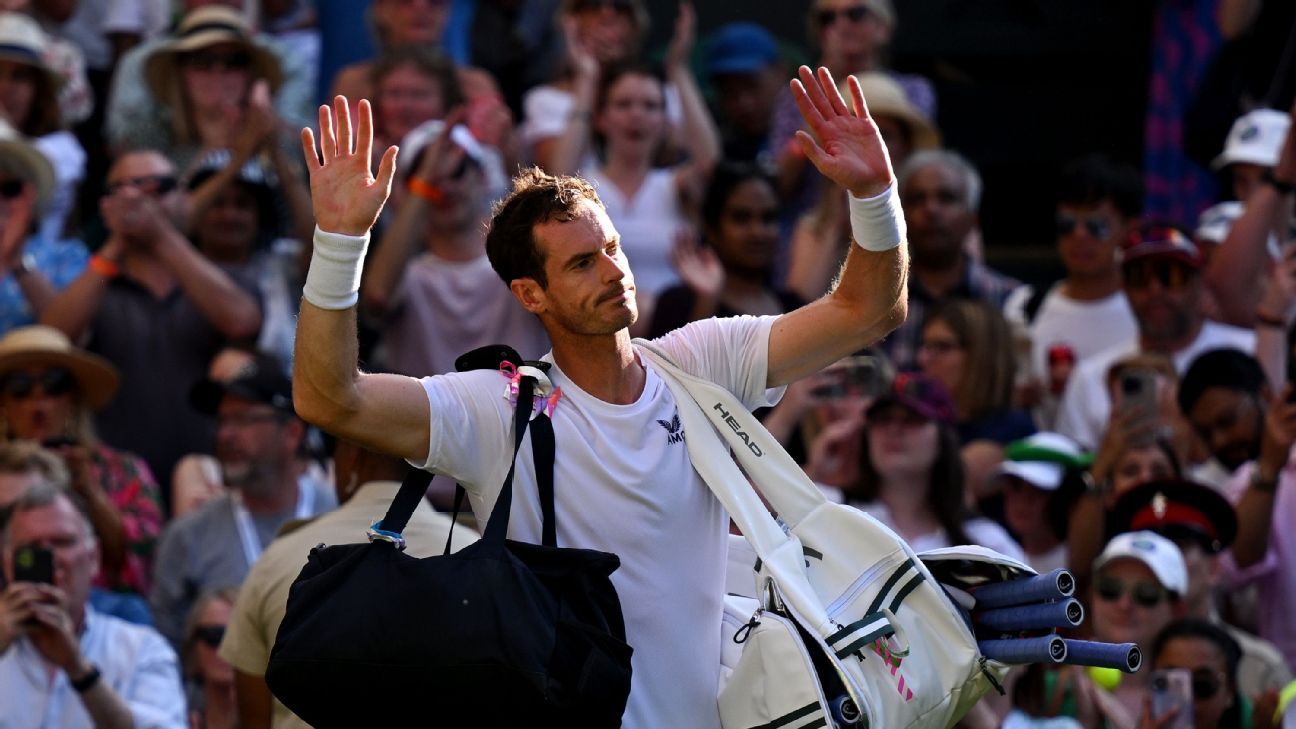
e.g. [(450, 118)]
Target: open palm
[(345, 194), (846, 146)]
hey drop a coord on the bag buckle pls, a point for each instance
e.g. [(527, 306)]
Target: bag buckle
[(382, 535)]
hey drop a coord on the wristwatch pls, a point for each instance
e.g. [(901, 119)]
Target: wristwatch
[(86, 682), (26, 264)]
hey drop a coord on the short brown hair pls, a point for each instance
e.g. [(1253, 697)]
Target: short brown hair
[(21, 457), (537, 197), (426, 61)]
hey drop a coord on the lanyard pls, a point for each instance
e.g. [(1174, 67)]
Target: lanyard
[(246, 530)]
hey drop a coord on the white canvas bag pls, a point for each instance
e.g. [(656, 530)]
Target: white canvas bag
[(868, 605)]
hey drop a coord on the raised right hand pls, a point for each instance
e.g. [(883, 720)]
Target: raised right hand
[(345, 195)]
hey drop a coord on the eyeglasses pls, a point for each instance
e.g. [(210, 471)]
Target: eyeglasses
[(209, 634), (621, 6), (1095, 225), (244, 420), (939, 346), (1145, 594), (155, 185), (1171, 274), (10, 189), (854, 14), (54, 382), (217, 60)]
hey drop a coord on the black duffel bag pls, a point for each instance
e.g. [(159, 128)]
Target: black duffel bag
[(499, 634)]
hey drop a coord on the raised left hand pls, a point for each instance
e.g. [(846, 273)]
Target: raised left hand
[(846, 146), (682, 40)]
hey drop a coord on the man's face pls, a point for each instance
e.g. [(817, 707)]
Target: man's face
[(1230, 422), (1165, 295), (590, 288), (59, 528), (1129, 604), (252, 444), (1089, 236), (147, 173), (746, 100), (936, 209)]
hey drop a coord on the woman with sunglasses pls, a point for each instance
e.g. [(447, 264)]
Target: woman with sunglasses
[(1211, 656), (48, 389), (209, 679)]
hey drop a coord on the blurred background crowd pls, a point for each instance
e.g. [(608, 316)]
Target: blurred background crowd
[(1094, 373)]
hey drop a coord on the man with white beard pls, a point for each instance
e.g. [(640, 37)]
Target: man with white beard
[(257, 440)]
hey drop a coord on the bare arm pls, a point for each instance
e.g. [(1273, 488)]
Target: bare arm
[(701, 139), (1274, 318), (387, 413), (73, 309), (1241, 259), (871, 296), (230, 309), (563, 155), (1255, 509)]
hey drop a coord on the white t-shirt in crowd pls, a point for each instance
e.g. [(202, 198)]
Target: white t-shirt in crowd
[(624, 485), (979, 529), (442, 309), (1086, 404), (1087, 327), (647, 223)]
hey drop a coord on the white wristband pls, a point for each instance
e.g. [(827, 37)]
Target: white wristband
[(877, 223), (333, 280)]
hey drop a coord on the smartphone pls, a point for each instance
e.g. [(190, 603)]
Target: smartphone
[(1172, 688), (862, 376), (1138, 390), (32, 563)]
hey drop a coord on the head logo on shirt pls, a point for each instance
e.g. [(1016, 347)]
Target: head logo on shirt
[(674, 429)]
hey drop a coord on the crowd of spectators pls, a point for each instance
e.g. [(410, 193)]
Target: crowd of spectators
[(1132, 421)]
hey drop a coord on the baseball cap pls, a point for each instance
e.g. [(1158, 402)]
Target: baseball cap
[(1162, 241), (1256, 137), (1041, 460), (922, 394), (1177, 509), (262, 380), (740, 48), (1158, 553)]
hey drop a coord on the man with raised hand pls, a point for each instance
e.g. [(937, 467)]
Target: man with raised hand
[(625, 481)]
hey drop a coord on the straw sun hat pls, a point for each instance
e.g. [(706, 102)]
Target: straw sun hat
[(206, 26), (43, 346), (885, 97)]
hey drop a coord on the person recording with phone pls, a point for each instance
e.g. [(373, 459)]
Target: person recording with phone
[(48, 390), (1195, 667), (62, 663)]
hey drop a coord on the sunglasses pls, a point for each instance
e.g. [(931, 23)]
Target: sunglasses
[(1145, 594), (1096, 226), (209, 634), (1205, 684), (854, 14), (1171, 274), (10, 189), (218, 61), (54, 382), (155, 185)]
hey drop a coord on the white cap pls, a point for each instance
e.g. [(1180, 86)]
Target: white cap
[(1256, 137), (486, 157), (1032, 466), (1158, 553)]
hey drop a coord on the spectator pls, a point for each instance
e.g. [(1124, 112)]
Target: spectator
[(1162, 279), (1252, 434), (1212, 657), (1260, 155), (430, 279), (35, 267), (157, 309), (366, 484), (71, 665), (29, 102), (746, 72), (904, 127), (144, 107), (412, 85), (238, 223), (966, 345), (24, 464), (257, 439), (729, 274), (50, 389), (941, 192), (1038, 479), (598, 33), (209, 680), (1139, 583), (1098, 207), (1203, 525), (911, 476), (647, 204)]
